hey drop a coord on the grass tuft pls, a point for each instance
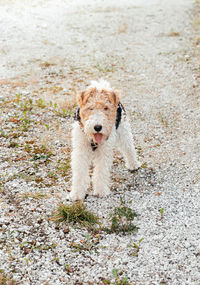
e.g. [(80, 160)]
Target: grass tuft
[(75, 214)]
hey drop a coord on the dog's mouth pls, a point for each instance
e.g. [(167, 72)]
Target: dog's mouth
[(98, 137)]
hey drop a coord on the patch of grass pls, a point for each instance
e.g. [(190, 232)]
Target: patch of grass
[(75, 214), (122, 220)]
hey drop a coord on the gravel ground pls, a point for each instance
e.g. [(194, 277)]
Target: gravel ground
[(150, 50)]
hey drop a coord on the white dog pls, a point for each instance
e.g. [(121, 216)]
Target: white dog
[(101, 124)]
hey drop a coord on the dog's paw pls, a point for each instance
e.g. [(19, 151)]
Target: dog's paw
[(100, 195), (102, 192), (73, 196)]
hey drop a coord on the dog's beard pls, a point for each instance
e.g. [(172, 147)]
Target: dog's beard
[(98, 137)]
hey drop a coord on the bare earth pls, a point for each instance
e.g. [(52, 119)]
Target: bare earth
[(150, 50)]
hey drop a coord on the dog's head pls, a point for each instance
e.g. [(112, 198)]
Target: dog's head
[(98, 107)]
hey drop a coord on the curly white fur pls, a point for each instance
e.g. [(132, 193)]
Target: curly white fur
[(82, 155)]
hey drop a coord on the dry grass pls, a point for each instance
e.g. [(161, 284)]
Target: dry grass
[(31, 195)]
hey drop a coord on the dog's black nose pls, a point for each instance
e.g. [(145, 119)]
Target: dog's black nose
[(97, 128)]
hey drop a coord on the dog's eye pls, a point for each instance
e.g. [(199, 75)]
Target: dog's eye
[(90, 109), (105, 108)]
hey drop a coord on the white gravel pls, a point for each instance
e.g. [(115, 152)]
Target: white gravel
[(148, 49)]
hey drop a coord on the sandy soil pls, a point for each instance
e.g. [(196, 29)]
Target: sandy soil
[(150, 50)]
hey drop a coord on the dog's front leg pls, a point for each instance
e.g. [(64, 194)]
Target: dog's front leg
[(126, 146), (80, 163), (101, 174)]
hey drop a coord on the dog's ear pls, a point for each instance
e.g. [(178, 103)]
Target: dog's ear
[(114, 97), (81, 98)]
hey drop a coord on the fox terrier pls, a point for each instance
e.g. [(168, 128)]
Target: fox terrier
[(100, 124)]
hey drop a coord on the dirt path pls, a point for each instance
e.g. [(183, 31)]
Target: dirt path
[(150, 51)]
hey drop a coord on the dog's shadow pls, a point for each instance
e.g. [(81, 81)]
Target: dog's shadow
[(138, 180)]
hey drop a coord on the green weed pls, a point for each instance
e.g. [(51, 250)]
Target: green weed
[(68, 269), (136, 247), (26, 105), (25, 122), (118, 279), (161, 213), (38, 152), (52, 175), (3, 134), (13, 144), (29, 246), (40, 103), (122, 220), (18, 96)]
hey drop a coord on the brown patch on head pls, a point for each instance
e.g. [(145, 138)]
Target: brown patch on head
[(92, 95)]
